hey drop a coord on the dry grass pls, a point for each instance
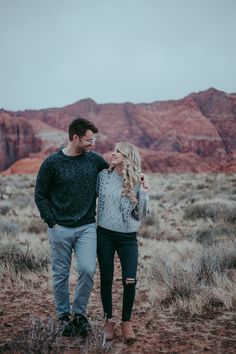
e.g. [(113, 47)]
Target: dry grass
[(22, 258), (211, 234), (44, 337), (214, 209), (196, 281), (187, 270), (40, 337), (5, 207)]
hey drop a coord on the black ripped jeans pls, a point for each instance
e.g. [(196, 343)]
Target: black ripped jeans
[(126, 246)]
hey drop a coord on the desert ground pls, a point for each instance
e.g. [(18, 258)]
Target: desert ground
[(186, 289)]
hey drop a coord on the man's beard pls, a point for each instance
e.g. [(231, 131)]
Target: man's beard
[(82, 150)]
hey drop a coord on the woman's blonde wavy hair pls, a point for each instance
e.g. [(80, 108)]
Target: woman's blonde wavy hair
[(130, 169)]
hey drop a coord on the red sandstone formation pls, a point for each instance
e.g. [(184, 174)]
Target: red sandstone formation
[(17, 139), (194, 134), (24, 166)]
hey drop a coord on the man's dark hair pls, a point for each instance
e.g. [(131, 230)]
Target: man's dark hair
[(79, 126)]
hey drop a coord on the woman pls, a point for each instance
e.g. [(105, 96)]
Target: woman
[(122, 202)]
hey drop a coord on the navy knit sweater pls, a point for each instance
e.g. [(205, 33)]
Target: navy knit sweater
[(65, 191)]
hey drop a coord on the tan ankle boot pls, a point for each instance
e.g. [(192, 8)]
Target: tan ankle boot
[(109, 330), (128, 332)]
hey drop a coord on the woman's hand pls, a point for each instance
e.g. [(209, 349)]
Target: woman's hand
[(144, 183)]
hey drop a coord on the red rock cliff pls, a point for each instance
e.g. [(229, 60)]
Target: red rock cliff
[(17, 140)]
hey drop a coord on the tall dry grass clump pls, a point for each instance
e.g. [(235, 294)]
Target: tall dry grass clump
[(21, 258), (22, 264), (193, 279)]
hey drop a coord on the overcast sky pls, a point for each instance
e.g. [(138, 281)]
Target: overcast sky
[(56, 52)]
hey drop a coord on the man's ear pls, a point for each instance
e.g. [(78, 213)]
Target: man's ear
[(75, 138)]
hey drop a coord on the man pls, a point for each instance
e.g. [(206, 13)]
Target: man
[(65, 195)]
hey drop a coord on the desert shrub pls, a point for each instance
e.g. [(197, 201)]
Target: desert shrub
[(43, 337), (215, 209), (232, 195), (156, 196), (148, 232), (189, 196), (170, 187), (40, 337), (149, 226), (9, 227), (210, 178), (36, 226), (172, 264), (180, 279), (24, 181), (150, 219), (188, 185), (201, 186), (209, 235), (21, 258), (223, 293), (199, 281), (216, 259), (5, 207), (22, 200), (167, 232)]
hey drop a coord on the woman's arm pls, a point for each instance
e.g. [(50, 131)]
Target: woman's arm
[(143, 207), (98, 183)]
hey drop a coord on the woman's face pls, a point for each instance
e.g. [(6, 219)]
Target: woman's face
[(117, 157)]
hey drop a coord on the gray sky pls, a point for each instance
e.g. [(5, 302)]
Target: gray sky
[(56, 52)]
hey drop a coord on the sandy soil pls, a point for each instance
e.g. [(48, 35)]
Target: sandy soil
[(157, 330)]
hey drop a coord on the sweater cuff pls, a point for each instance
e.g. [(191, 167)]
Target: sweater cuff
[(144, 195)]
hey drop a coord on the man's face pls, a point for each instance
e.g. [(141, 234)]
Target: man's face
[(84, 143)]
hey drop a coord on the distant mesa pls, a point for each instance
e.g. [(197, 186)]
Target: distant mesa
[(194, 134)]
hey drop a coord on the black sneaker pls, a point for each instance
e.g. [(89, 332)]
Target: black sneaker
[(82, 326), (66, 325)]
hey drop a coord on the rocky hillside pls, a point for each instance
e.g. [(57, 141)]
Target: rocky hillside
[(194, 134), (17, 139)]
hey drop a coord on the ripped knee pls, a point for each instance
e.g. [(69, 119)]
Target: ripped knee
[(129, 281)]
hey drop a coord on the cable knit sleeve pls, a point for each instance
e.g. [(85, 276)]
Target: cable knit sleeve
[(43, 185), (143, 207)]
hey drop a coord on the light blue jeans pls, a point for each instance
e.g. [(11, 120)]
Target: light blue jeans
[(63, 240)]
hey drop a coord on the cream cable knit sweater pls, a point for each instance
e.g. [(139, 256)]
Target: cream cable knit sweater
[(116, 212)]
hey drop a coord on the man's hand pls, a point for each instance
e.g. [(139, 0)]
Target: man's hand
[(54, 226)]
